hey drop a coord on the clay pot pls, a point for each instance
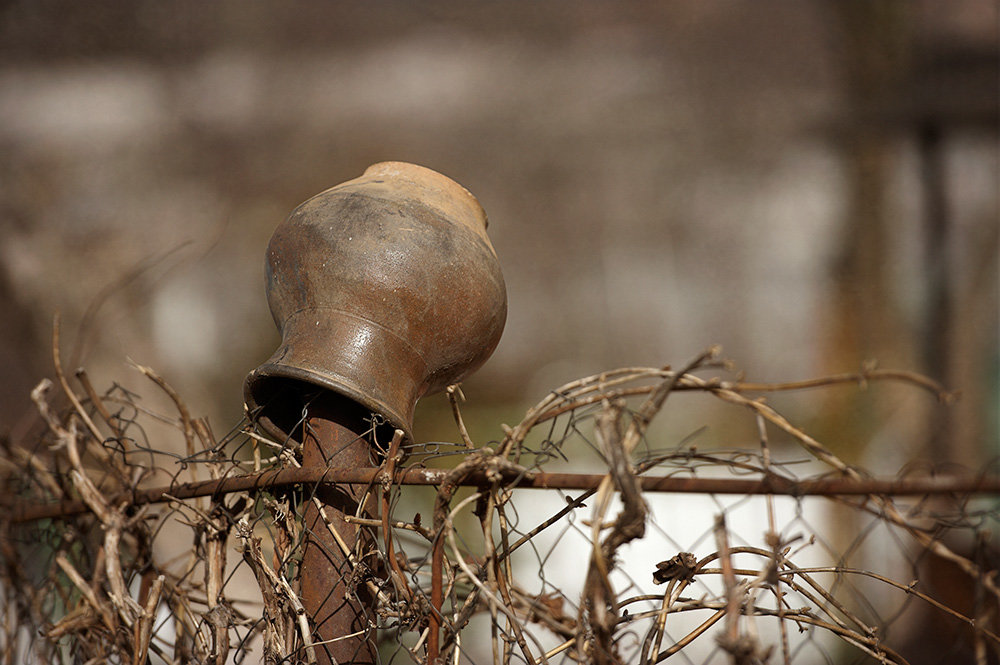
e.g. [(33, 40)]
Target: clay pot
[(385, 288)]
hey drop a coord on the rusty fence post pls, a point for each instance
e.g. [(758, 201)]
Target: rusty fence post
[(337, 605), (385, 288)]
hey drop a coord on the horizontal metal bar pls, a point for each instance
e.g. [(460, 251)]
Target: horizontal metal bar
[(26, 511)]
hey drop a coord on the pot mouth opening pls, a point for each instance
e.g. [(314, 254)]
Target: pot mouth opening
[(281, 405)]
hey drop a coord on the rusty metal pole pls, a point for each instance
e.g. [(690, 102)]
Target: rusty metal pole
[(333, 439), (385, 288)]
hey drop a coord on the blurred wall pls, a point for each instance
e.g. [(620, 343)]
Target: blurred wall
[(659, 177)]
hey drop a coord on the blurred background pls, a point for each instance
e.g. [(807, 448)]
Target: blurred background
[(812, 184)]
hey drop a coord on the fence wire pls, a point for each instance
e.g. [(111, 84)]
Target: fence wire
[(109, 554)]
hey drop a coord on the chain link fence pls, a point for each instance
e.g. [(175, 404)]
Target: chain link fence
[(579, 536)]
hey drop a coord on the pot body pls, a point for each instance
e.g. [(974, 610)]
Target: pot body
[(384, 288)]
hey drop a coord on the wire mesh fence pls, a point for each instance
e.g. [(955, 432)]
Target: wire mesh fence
[(577, 536)]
